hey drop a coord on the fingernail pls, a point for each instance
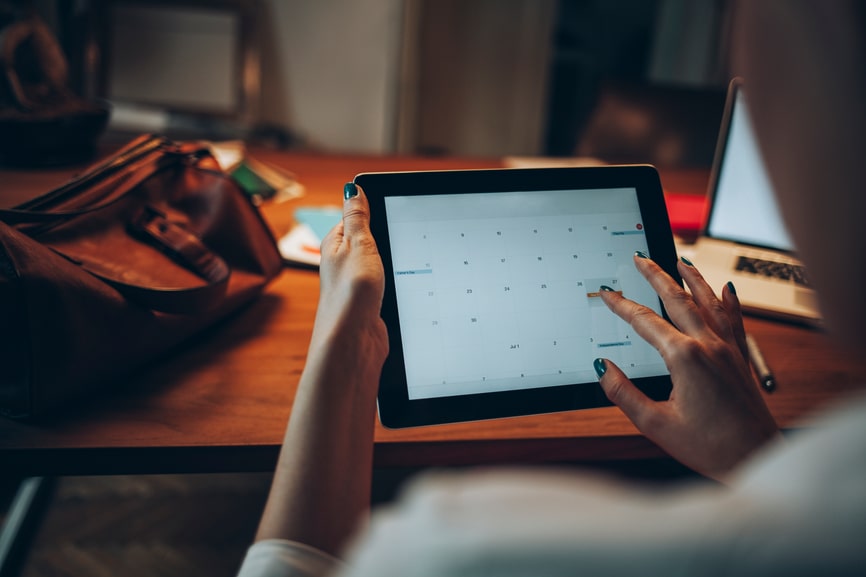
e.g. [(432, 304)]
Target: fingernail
[(605, 288), (731, 288), (687, 261), (641, 254), (350, 191), (600, 367)]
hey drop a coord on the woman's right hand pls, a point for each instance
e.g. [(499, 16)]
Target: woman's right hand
[(715, 416)]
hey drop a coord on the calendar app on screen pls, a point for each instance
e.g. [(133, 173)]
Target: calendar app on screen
[(500, 291)]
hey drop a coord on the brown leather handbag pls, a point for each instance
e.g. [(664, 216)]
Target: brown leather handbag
[(106, 273)]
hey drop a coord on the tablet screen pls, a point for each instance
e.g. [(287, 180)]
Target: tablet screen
[(492, 282), (499, 291)]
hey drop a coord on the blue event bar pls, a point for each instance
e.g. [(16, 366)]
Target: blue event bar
[(416, 271)]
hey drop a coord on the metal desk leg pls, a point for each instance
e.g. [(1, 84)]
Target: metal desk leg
[(23, 520)]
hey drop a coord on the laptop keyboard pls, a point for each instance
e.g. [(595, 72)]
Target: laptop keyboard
[(768, 268)]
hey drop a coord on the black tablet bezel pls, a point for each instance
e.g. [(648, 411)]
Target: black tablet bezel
[(396, 410)]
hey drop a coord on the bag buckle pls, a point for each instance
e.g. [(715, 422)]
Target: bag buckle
[(176, 241)]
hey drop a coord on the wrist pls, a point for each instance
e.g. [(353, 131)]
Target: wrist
[(348, 351)]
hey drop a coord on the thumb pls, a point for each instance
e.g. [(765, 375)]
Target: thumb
[(356, 210), (622, 393)]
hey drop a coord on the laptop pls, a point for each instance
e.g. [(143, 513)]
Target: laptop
[(744, 239)]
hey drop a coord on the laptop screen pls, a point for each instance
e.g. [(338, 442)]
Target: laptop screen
[(744, 209)]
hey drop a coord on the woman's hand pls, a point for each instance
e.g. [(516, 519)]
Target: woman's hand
[(716, 416), (321, 489), (352, 280)]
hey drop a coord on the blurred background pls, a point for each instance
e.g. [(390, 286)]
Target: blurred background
[(624, 80)]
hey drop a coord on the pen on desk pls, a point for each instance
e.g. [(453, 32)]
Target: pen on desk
[(768, 381)]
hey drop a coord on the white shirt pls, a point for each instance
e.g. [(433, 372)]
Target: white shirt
[(798, 508)]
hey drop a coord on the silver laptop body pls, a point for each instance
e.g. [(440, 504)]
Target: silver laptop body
[(744, 238)]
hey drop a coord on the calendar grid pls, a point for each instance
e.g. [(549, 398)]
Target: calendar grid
[(511, 302)]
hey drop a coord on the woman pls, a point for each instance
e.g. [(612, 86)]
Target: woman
[(795, 506)]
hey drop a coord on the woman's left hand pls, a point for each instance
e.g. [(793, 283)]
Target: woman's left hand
[(352, 280), (321, 488)]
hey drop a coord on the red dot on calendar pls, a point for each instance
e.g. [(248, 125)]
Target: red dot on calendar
[(639, 226)]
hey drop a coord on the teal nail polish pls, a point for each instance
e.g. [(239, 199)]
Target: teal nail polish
[(731, 288), (606, 288), (687, 261), (600, 367), (641, 254), (350, 191)]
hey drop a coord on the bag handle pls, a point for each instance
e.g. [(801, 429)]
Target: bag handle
[(114, 187), (121, 159)]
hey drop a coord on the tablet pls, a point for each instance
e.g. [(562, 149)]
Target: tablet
[(492, 282)]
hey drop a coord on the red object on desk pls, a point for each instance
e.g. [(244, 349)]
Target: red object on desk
[(686, 213)]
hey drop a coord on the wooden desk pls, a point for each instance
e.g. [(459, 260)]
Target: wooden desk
[(221, 404)]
